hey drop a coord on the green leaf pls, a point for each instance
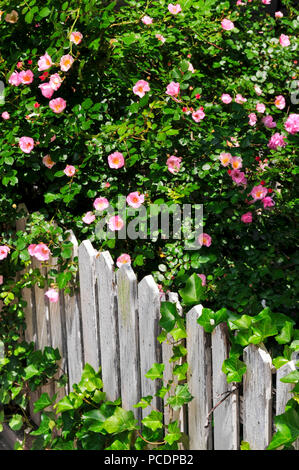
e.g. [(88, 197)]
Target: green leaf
[(168, 315), (144, 402), (16, 422), (174, 433), (244, 445), (285, 334), (44, 12), (156, 371), (153, 420), (292, 377), (182, 396), (287, 425), (94, 420), (120, 421), (243, 323), (43, 401), (30, 371), (181, 371), (193, 290), (279, 361), (234, 369)]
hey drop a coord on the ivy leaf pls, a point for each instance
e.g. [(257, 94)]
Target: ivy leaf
[(287, 425), (243, 323), (181, 371), (144, 402), (16, 422), (168, 315), (209, 319), (153, 420), (174, 433), (244, 445), (155, 372), (234, 369), (182, 396), (292, 377), (43, 401), (193, 290), (285, 334), (120, 421), (279, 361)]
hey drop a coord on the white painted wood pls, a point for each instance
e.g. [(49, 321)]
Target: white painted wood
[(108, 324), (149, 330), (87, 256), (226, 415), (283, 390), (257, 397), (71, 303), (199, 358), (128, 338)]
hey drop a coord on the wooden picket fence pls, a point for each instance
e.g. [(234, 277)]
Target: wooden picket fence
[(113, 323)]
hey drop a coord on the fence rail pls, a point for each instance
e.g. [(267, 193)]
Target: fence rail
[(113, 322)]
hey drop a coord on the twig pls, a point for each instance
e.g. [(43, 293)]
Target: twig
[(227, 394)]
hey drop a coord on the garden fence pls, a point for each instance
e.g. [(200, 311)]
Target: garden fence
[(112, 322)]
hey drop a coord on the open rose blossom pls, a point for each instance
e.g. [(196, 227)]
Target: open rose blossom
[(5, 115), (88, 218), (40, 251), (268, 202), (205, 239), (52, 295), (44, 63), (26, 144), (173, 89), (227, 25), (203, 279), (258, 192), (15, 79), (284, 40), (115, 223), (66, 62), (292, 124), (123, 259), (280, 102), (236, 162), (247, 218), (277, 140), (147, 20), (268, 122), (135, 199), (252, 119), (101, 203), (26, 77), (173, 164), (160, 38), (238, 177), (46, 89), (140, 88), (69, 170), (4, 250), (198, 115), (48, 162), (278, 14), (260, 107), (76, 37), (57, 105), (116, 160), (225, 158), (55, 81), (226, 98), (240, 99), (258, 90), (174, 9)]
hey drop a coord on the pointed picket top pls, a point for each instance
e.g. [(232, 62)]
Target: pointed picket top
[(257, 397), (108, 324), (149, 330), (87, 256), (129, 337), (199, 378)]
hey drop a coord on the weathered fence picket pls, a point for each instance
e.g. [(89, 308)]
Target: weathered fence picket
[(113, 322)]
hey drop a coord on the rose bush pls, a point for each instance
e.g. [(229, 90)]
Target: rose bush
[(187, 103)]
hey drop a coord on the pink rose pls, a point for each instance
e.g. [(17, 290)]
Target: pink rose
[(69, 170), (160, 38), (258, 90), (280, 102), (116, 160), (89, 217), (135, 199), (26, 144), (277, 140), (48, 162), (46, 89), (227, 25), (115, 223), (26, 77), (41, 252), (173, 89), (226, 98), (15, 79), (174, 9), (191, 68), (44, 63), (55, 81), (252, 119), (4, 250), (140, 88), (268, 202), (268, 122), (278, 14), (198, 115), (123, 259), (225, 158), (238, 177), (284, 40), (240, 99), (266, 2), (76, 37), (236, 162), (205, 239), (52, 295), (147, 20), (203, 279), (173, 164), (57, 105), (31, 249), (260, 107), (247, 218), (5, 115), (292, 123), (101, 203), (1, 280), (66, 62), (258, 192)]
